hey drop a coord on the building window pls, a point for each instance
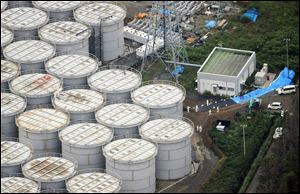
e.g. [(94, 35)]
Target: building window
[(230, 89), (222, 88)]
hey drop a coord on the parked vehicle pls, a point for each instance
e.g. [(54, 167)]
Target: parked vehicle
[(275, 106), (287, 89)]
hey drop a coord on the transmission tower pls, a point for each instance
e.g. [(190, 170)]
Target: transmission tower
[(165, 31)]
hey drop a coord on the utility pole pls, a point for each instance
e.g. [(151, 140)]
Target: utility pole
[(287, 40), (244, 139)]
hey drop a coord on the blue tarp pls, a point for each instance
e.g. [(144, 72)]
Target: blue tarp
[(209, 24), (179, 69), (251, 14), (282, 80)]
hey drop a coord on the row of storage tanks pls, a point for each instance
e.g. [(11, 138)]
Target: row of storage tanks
[(64, 117)]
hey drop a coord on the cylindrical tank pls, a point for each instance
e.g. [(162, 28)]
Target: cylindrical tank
[(123, 117), (13, 155), (55, 191), (173, 137), (19, 4), (17, 183), (134, 161), (107, 20), (30, 54), (163, 98), (9, 71), (67, 36), (24, 21), (58, 10), (39, 128), (94, 181), (6, 37), (116, 82), (3, 7), (84, 141), (81, 104), (36, 87), (51, 170), (73, 69), (11, 106)]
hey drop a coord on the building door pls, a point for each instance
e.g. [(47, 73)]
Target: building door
[(215, 88)]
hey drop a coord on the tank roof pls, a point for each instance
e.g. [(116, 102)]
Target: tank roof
[(115, 80), (94, 182), (35, 85), (42, 120), (49, 169), (64, 32), (96, 12), (9, 70), (23, 18), (19, 185), (72, 66), (167, 130), (86, 135), (158, 94), (29, 51), (122, 115), (56, 6), (79, 100), (11, 104), (6, 36), (130, 150), (14, 153), (3, 6)]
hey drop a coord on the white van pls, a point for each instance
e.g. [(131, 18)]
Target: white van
[(275, 106), (287, 89)]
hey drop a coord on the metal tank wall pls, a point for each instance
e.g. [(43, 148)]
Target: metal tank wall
[(13, 150), (88, 156), (8, 122), (42, 141), (111, 35)]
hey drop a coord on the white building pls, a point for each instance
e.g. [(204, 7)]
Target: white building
[(225, 71)]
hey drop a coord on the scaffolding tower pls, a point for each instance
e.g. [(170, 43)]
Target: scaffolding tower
[(164, 25)]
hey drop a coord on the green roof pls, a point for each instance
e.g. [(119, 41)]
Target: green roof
[(226, 62)]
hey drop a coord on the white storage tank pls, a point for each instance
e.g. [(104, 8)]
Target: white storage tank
[(94, 181), (163, 98), (36, 87), (24, 21), (3, 7), (81, 104), (58, 10), (173, 137), (73, 69), (39, 128), (51, 170), (55, 191), (134, 161), (6, 37), (17, 183), (19, 4), (9, 71), (123, 117), (11, 106), (116, 82), (107, 20), (84, 141), (13, 155), (67, 36), (30, 54)]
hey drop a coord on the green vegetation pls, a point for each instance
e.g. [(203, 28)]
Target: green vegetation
[(277, 20), (258, 160), (230, 176)]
